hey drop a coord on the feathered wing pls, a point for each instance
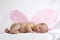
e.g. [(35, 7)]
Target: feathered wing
[(47, 16), (17, 16)]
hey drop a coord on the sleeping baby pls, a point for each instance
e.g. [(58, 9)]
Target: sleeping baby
[(28, 27)]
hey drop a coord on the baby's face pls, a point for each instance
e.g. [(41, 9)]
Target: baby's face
[(42, 28)]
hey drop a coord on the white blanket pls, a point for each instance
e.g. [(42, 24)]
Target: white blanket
[(52, 35)]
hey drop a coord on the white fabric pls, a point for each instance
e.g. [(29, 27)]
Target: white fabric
[(52, 35)]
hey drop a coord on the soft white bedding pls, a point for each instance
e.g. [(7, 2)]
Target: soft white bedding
[(27, 36), (52, 35)]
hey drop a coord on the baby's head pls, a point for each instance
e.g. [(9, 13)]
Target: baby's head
[(42, 28)]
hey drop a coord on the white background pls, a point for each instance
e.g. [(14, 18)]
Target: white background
[(29, 7)]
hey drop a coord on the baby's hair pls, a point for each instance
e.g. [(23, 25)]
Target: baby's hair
[(43, 24)]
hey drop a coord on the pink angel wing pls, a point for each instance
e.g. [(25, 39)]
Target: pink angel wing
[(47, 16), (17, 16)]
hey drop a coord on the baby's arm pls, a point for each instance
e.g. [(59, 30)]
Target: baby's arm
[(29, 29)]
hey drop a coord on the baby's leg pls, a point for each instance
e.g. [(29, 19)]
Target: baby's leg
[(23, 29), (14, 28)]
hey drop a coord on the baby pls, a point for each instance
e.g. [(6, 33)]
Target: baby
[(21, 27), (27, 27)]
